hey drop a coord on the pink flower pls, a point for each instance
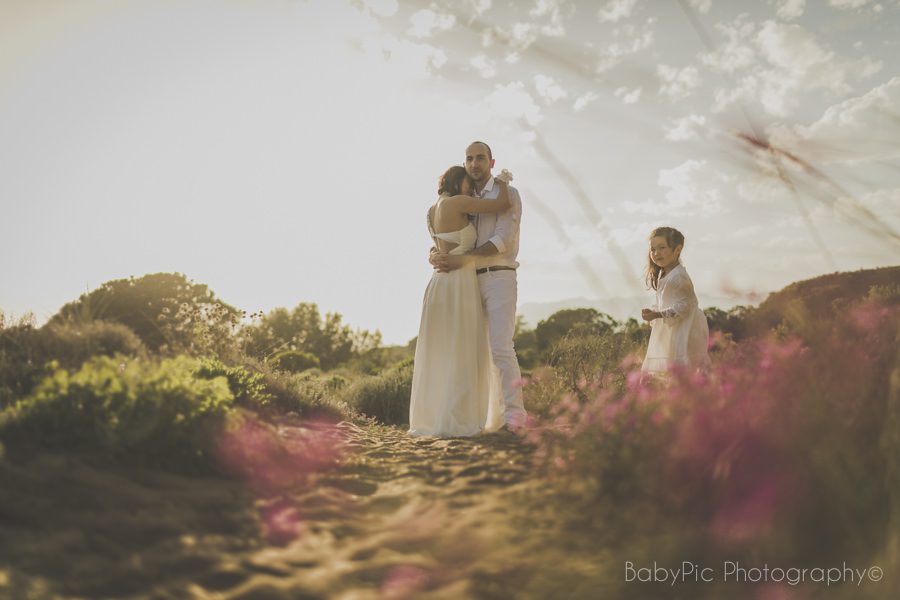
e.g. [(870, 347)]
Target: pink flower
[(404, 581)]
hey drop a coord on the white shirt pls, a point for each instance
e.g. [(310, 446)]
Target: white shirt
[(501, 229)]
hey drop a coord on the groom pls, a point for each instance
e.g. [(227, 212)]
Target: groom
[(496, 249)]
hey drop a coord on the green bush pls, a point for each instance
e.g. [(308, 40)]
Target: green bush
[(786, 449), (586, 362), (309, 394), (249, 388), (135, 410), (22, 364), (72, 344), (25, 352), (294, 361), (384, 396), (170, 314)]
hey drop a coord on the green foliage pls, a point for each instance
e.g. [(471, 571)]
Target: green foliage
[(585, 362), (303, 329), (134, 410), (526, 345), (309, 394), (572, 321), (72, 344), (586, 357), (25, 351), (22, 364), (807, 301), (888, 294), (376, 360), (248, 388), (787, 448), (294, 361), (730, 322), (169, 313), (384, 396)]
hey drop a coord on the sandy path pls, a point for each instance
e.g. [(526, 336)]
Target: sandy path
[(401, 517)]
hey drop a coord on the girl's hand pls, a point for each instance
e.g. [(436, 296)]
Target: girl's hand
[(648, 314)]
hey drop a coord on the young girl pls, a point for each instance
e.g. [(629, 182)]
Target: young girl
[(680, 333)]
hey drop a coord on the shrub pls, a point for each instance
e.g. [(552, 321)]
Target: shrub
[(384, 396), (304, 329), (581, 364), (310, 394), (169, 313), (72, 344), (21, 362), (25, 352), (248, 388), (159, 413), (589, 361), (294, 361), (786, 449)]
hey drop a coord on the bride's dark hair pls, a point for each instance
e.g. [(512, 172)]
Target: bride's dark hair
[(451, 180)]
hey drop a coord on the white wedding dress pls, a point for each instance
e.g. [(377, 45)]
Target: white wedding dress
[(455, 386)]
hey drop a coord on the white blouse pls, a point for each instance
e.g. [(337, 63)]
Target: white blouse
[(681, 336)]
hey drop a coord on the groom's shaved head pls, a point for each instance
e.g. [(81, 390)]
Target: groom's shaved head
[(479, 163), (471, 149)]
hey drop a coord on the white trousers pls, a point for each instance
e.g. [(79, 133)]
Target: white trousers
[(498, 295)]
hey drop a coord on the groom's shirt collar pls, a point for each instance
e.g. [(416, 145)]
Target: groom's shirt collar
[(487, 187)]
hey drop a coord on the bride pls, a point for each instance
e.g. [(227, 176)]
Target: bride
[(455, 386)]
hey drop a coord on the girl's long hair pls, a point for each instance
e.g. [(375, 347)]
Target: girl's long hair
[(674, 238)]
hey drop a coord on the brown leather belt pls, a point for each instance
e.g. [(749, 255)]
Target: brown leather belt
[(486, 269)]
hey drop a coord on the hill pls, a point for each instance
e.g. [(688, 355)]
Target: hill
[(816, 298)]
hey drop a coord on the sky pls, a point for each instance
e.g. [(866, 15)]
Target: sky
[(287, 151)]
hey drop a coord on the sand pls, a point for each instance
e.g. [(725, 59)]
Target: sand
[(379, 515)]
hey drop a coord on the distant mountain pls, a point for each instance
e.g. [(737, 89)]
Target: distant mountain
[(621, 308)]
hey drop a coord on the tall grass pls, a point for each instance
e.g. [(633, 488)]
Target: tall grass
[(785, 452)]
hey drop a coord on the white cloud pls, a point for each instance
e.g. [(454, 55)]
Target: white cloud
[(736, 52), (702, 6), (548, 89), (517, 38), (425, 21), (790, 9), (484, 66), (691, 189), (514, 102), (382, 8), (764, 186), (800, 64), (885, 200), (627, 39), (677, 83), (848, 4), (404, 56), (582, 101), (479, 6), (685, 128), (628, 96), (860, 129), (790, 46), (780, 63), (616, 10), (553, 9)]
